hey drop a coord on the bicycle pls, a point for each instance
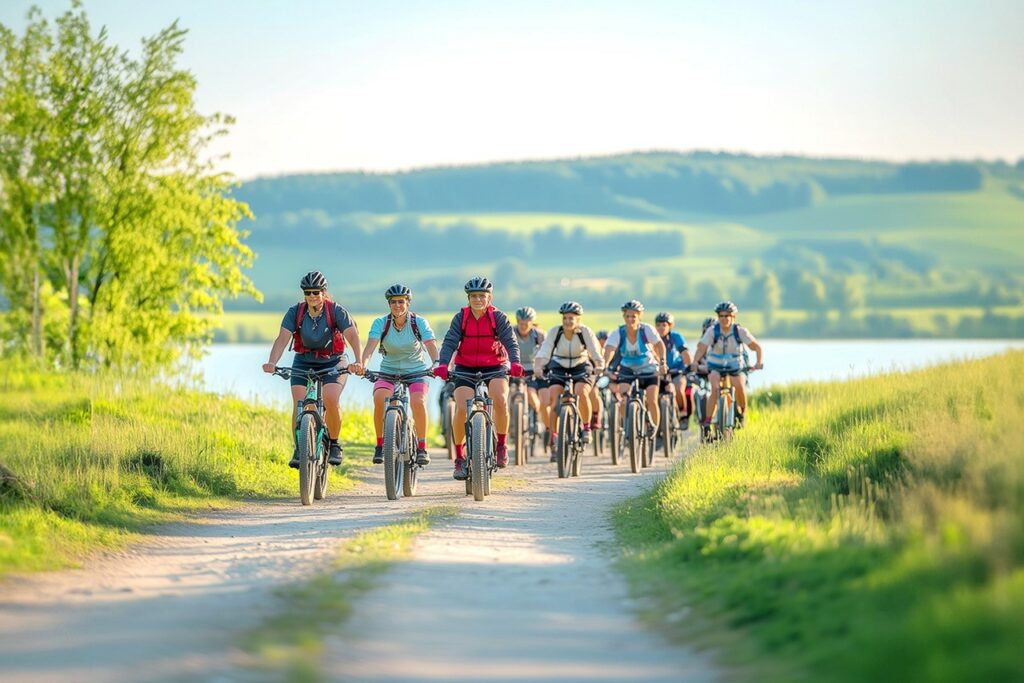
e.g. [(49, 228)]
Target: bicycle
[(311, 437), (670, 430), (724, 423), (481, 440), (518, 408), (614, 420), (447, 402), (635, 433), (600, 435), (399, 449), (699, 392), (569, 449)]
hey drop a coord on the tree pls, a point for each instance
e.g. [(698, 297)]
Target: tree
[(134, 225), (765, 294)]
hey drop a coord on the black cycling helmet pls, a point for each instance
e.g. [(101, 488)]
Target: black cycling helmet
[(726, 307), (570, 307), (665, 317), (633, 305), (397, 290), (479, 284), (314, 279), (525, 313), (602, 335), (708, 322)]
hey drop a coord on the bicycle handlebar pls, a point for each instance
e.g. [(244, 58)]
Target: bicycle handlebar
[(374, 375), (288, 373), (479, 377)]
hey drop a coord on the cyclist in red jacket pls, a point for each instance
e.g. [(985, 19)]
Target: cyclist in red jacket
[(481, 339)]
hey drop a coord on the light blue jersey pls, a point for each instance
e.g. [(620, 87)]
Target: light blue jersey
[(404, 353)]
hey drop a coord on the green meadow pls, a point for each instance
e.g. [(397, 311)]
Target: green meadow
[(865, 530)]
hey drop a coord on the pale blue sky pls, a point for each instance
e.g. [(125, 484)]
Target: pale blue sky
[(319, 85)]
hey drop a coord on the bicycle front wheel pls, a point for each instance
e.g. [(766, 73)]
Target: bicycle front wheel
[(392, 451), (614, 430), (725, 416), (517, 429), (632, 436), (448, 417), (566, 434), (666, 427), (322, 470), (411, 469), (478, 455), (308, 441)]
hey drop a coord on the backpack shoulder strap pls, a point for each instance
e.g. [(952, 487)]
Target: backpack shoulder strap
[(387, 327), (415, 327), (494, 322), (465, 319), (299, 314), (642, 334), (736, 333)]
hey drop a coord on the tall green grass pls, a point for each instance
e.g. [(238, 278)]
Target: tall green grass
[(868, 530), (87, 461)]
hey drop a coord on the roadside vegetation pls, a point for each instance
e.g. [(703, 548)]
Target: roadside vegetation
[(86, 461), (866, 530)]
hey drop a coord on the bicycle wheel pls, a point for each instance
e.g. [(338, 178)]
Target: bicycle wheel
[(632, 436), (478, 455), (666, 426), (566, 433), (307, 457), (516, 428), (393, 465), (322, 470), (725, 417), (448, 417), (576, 454), (410, 468), (531, 434), (615, 430)]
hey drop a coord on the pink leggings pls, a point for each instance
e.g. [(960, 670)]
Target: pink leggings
[(414, 388)]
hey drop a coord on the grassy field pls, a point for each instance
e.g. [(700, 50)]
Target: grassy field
[(88, 462), (870, 530)]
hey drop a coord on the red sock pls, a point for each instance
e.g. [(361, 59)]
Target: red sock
[(586, 427), (501, 439), (380, 440), (458, 451), (422, 444)]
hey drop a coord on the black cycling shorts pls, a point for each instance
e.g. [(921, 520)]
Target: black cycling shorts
[(557, 375), (486, 370), (626, 376)]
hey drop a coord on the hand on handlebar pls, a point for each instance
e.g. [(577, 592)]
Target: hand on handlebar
[(442, 372), (269, 368)]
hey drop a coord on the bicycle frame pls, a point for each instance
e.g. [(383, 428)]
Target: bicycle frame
[(569, 457), (481, 404)]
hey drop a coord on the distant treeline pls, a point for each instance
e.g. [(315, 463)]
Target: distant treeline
[(408, 241), (635, 185)]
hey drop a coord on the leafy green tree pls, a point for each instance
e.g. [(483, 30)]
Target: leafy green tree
[(765, 294)]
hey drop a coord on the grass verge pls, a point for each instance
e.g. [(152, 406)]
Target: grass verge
[(867, 530), (88, 462), (290, 642)]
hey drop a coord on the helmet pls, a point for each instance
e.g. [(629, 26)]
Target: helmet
[(314, 279), (602, 335), (708, 322), (665, 317), (525, 313), (570, 307), (633, 305), (726, 307), (397, 290), (479, 284)]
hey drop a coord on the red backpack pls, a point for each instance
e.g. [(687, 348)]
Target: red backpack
[(337, 341)]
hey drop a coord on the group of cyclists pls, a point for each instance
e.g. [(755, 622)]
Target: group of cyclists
[(482, 339)]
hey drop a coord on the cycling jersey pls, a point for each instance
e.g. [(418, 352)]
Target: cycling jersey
[(558, 349), (638, 355), (529, 345), (725, 349), (675, 344), (314, 333), (405, 353), (480, 342)]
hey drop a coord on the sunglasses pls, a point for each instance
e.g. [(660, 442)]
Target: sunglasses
[(395, 302), (312, 292)]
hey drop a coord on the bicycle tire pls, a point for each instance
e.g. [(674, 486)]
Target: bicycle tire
[(323, 469), (448, 417), (668, 410), (615, 430), (632, 438), (563, 445), (516, 429), (392, 451), (576, 454), (478, 455), (307, 457)]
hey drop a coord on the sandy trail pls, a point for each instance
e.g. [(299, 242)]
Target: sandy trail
[(518, 587)]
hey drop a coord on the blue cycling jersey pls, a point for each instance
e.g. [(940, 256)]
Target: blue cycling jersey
[(674, 345)]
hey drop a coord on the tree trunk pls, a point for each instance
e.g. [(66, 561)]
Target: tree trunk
[(71, 274), (37, 315)]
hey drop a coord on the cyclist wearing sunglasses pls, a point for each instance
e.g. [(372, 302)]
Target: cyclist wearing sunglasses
[(481, 339), (408, 347), (318, 329), (723, 344)]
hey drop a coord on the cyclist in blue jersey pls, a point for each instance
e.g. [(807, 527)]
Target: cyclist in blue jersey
[(723, 343), (641, 352), (530, 338), (677, 356), (408, 346)]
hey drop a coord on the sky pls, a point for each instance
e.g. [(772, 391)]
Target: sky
[(387, 85)]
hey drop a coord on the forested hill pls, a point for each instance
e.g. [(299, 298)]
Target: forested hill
[(641, 185)]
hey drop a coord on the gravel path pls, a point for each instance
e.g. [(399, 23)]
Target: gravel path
[(518, 587)]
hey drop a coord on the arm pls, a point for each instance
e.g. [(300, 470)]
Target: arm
[(507, 336), (543, 355), (702, 349), (760, 354), (351, 335), (277, 349), (431, 346), (452, 339), (371, 346), (593, 349)]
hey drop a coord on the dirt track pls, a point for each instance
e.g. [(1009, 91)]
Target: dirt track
[(518, 587)]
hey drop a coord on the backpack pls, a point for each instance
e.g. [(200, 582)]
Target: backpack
[(490, 315), (641, 337), (718, 334), (559, 334), (387, 327), (337, 341)]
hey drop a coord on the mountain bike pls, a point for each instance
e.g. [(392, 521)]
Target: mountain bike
[(600, 434), (724, 423), (481, 439), (518, 427), (569, 448), (447, 402), (399, 448), (699, 392), (614, 420), (311, 437), (669, 428), (639, 441)]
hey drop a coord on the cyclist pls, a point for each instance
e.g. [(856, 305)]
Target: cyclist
[(641, 352), (318, 329), (723, 344), (481, 339), (530, 337), (678, 358), (405, 341), (568, 349)]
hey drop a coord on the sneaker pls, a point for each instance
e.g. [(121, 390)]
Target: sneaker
[(422, 458), (585, 437), (378, 455), (652, 429), (739, 420), (684, 422), (334, 457), (501, 456), (294, 462), (461, 473)]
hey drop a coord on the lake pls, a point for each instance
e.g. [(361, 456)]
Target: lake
[(235, 368)]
